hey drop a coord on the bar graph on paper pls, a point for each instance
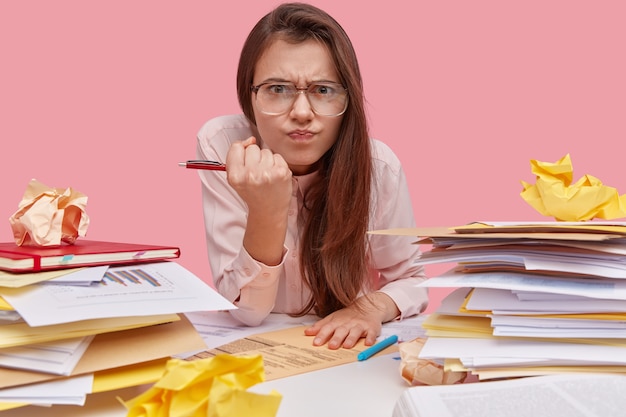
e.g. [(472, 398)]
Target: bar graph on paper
[(118, 282), (131, 290), (130, 277), (136, 280)]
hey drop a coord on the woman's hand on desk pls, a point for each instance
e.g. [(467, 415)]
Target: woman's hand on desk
[(345, 327)]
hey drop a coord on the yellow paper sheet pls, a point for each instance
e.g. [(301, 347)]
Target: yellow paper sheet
[(442, 325), (5, 306), (10, 406), (517, 372), (129, 376)]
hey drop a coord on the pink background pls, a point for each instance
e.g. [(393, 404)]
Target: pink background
[(106, 97)]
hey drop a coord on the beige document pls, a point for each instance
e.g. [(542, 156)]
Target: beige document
[(289, 352)]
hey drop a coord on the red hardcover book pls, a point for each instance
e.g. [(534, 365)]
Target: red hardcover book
[(15, 258)]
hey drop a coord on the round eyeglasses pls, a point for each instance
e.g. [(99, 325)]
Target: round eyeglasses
[(326, 98)]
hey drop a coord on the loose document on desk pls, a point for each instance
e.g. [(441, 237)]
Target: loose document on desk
[(288, 352), (591, 395), (136, 290)]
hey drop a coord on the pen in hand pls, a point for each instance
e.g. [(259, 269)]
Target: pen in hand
[(374, 349), (202, 164)]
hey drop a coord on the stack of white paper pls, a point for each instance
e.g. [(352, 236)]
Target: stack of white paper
[(529, 299)]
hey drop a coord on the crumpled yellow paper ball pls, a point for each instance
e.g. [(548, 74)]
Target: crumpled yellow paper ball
[(209, 387), (554, 195), (49, 216)]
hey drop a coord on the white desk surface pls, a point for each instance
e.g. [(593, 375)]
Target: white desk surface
[(365, 389)]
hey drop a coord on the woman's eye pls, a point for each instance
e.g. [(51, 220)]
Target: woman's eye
[(278, 89), (322, 90)]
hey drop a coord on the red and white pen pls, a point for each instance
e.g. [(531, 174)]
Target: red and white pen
[(201, 164)]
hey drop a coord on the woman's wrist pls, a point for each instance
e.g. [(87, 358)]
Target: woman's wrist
[(380, 304)]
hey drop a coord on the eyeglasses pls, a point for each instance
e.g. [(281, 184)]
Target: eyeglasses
[(326, 98)]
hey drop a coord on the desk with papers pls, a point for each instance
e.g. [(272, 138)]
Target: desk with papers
[(366, 388), (139, 317), (557, 296)]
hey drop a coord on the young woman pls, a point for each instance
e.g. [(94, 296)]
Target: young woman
[(286, 225)]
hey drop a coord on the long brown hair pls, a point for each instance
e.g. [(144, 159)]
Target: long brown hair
[(334, 246)]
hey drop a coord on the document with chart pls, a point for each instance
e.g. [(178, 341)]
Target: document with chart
[(134, 290)]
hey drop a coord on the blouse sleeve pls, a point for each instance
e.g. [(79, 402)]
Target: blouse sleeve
[(394, 256), (249, 284)]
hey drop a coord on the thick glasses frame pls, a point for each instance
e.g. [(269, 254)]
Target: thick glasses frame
[(303, 90)]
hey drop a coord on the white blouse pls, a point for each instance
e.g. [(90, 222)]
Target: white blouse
[(262, 289)]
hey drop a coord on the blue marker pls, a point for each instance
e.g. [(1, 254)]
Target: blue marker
[(374, 349)]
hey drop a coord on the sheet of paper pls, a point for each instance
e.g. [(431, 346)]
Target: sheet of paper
[(516, 331), (135, 290), (4, 306), (20, 334), (546, 396), (588, 227), (607, 266), (57, 357), (482, 231), (614, 246), (134, 375), (11, 280), (407, 329), (7, 317), (218, 327), (442, 325), (121, 348), (505, 302), (289, 352), (484, 374), (71, 391), (552, 322), (439, 348), (543, 296), (584, 287), (84, 276)]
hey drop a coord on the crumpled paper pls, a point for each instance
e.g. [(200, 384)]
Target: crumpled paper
[(49, 216), (554, 195), (417, 371), (209, 387)]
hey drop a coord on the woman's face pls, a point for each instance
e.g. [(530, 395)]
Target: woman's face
[(299, 135)]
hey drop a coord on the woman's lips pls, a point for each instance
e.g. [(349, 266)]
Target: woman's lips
[(301, 135)]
